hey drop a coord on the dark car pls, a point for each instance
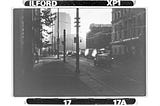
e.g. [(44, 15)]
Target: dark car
[(103, 57), (73, 54), (69, 53)]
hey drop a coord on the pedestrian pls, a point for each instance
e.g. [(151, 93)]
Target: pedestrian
[(36, 57)]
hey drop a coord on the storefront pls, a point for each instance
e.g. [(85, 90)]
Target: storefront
[(133, 47)]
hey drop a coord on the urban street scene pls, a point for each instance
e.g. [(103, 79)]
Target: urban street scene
[(79, 52)]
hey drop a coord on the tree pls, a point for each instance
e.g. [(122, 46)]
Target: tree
[(47, 18)]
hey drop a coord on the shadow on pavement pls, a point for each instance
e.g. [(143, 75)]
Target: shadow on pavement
[(52, 79)]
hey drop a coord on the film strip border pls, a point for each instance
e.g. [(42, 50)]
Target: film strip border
[(79, 3), (89, 101)]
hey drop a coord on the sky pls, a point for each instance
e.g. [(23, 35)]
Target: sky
[(87, 17)]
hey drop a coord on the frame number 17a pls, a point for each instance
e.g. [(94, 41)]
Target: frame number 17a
[(119, 102)]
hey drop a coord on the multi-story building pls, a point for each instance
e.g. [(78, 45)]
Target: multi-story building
[(64, 24), (129, 31), (26, 32), (99, 36)]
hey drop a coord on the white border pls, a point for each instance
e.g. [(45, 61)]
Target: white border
[(152, 52)]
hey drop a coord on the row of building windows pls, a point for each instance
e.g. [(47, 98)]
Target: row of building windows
[(118, 14), (128, 33), (126, 12), (133, 22), (119, 50), (123, 50)]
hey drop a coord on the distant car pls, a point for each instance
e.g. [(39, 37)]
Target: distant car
[(103, 57), (61, 54), (73, 54), (69, 53), (82, 52), (88, 53)]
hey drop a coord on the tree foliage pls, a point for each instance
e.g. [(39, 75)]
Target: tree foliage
[(47, 18)]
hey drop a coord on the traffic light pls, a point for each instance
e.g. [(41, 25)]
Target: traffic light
[(75, 40)]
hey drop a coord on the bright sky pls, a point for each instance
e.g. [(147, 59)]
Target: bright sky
[(87, 17)]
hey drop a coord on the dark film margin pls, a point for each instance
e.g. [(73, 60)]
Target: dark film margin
[(88, 101), (88, 3)]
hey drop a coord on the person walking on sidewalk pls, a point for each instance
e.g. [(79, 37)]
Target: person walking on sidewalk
[(36, 57)]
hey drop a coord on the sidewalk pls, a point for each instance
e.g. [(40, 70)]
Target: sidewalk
[(133, 67), (53, 78)]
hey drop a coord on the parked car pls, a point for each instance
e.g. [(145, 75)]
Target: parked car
[(69, 53), (103, 57), (61, 54), (82, 52), (88, 53), (73, 54)]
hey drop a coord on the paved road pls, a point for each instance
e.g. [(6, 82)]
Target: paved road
[(115, 81)]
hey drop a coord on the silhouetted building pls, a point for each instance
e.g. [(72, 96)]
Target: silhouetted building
[(99, 36), (129, 31), (64, 23), (26, 32)]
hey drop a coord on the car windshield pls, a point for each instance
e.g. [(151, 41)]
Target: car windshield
[(69, 53), (101, 51)]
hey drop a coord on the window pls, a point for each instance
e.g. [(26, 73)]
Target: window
[(133, 32), (115, 15), (126, 49), (119, 14), (115, 36), (122, 34), (119, 35), (122, 51)]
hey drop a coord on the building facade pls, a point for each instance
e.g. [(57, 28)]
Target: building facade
[(26, 36), (129, 32), (99, 36), (64, 24)]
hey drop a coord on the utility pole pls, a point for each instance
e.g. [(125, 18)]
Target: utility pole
[(54, 44), (58, 33), (52, 39), (77, 40), (64, 46)]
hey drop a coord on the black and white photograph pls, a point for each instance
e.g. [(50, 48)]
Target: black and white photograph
[(60, 52)]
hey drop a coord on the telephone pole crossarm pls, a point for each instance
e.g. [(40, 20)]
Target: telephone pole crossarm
[(77, 40)]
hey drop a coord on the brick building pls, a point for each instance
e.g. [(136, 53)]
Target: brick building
[(129, 31), (99, 36)]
